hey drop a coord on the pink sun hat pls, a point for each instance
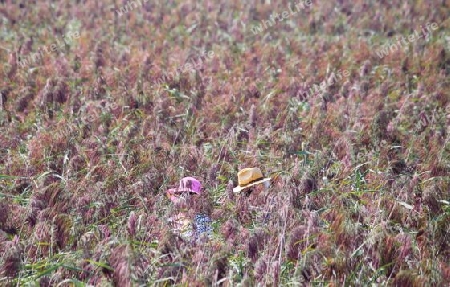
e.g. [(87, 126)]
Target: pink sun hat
[(187, 184), (190, 184)]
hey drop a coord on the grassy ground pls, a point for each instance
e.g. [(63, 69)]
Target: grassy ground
[(105, 105)]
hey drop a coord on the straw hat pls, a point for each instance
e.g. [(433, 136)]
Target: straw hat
[(248, 177), (187, 185)]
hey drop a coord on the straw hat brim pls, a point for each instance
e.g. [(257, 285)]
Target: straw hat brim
[(240, 188)]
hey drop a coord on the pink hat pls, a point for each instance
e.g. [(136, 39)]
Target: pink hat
[(190, 184), (187, 184)]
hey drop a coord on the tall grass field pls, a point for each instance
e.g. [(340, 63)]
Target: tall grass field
[(105, 105)]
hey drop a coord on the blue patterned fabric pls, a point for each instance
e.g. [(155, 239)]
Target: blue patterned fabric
[(202, 225)]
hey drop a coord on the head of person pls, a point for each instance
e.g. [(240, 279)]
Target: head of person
[(251, 180), (188, 187)]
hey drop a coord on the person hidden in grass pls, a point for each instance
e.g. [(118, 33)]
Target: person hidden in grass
[(191, 221), (254, 186)]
